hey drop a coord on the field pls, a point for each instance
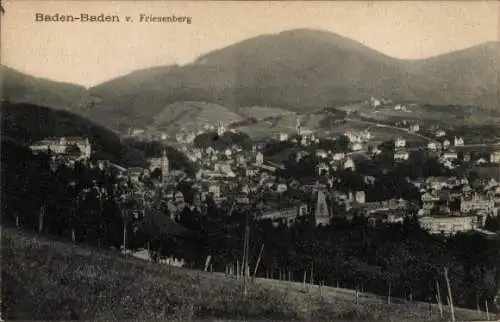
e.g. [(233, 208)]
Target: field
[(379, 134), (261, 131), (354, 107), (48, 280), (448, 116), (286, 123), (270, 128), (192, 116), (262, 112)]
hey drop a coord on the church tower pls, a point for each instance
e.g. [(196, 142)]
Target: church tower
[(297, 124), (220, 128), (321, 213), (164, 165)]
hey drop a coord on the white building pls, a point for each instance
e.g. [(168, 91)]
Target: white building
[(447, 225), (477, 203), (304, 132), (321, 154), (136, 132), (300, 155), (221, 129), (400, 143), (360, 197), (154, 163), (304, 141), (401, 155), (338, 156), (446, 144), (429, 201), (450, 155), (458, 141), (215, 190), (366, 135), (280, 188), (357, 146), (349, 164), (259, 159), (414, 128), (224, 169), (440, 133), (448, 164), (495, 157), (282, 137), (374, 102), (179, 197), (481, 161), (354, 137), (432, 146), (59, 145), (189, 138)]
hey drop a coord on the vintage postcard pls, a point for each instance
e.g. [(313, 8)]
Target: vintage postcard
[(230, 160)]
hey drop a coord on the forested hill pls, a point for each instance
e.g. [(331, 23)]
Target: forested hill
[(19, 87), (301, 70), (297, 70), (25, 124)]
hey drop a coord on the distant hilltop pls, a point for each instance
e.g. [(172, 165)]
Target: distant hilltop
[(297, 70)]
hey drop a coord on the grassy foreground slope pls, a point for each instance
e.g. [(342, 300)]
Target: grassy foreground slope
[(44, 279)]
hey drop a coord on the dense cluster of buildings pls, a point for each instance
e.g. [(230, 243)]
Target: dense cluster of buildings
[(451, 205), (245, 179), (72, 147)]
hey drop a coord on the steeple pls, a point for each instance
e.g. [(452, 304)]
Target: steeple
[(220, 128), (321, 212), (297, 123), (164, 165)]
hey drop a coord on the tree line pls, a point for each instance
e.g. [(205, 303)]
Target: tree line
[(87, 205)]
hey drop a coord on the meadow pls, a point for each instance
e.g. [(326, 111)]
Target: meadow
[(48, 279)]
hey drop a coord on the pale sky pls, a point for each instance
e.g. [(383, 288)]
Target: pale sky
[(90, 53)]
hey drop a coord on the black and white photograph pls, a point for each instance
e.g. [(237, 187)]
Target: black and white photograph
[(250, 160)]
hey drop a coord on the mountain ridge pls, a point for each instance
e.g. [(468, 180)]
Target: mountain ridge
[(21, 87), (297, 70)]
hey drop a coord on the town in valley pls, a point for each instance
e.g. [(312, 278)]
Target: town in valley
[(296, 174)]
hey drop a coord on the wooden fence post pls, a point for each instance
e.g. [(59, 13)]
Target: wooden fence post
[(450, 296), (438, 299), (389, 294), (258, 261)]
